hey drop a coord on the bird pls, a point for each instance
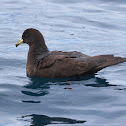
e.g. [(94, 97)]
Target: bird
[(58, 64)]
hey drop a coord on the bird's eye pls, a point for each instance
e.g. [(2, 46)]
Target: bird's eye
[(26, 36)]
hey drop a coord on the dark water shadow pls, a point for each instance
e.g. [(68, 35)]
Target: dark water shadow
[(40, 86), (43, 120), (99, 82)]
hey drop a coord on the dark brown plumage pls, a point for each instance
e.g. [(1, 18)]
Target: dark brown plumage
[(43, 63)]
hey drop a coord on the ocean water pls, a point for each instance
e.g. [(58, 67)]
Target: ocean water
[(92, 27)]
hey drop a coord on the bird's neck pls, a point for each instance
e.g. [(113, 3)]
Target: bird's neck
[(36, 53)]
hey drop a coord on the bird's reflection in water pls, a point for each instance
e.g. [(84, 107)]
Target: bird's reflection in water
[(40, 86), (99, 82), (42, 120)]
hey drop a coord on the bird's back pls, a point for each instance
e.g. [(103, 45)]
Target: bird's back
[(65, 64)]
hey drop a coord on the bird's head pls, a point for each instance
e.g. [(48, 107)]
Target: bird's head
[(31, 37)]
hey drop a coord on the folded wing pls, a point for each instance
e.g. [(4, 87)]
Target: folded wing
[(66, 64)]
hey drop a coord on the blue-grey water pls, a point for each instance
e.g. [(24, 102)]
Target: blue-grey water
[(92, 27)]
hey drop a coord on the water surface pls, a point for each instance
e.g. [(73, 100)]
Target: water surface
[(92, 27)]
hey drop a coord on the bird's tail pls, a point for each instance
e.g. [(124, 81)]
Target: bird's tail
[(105, 61)]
